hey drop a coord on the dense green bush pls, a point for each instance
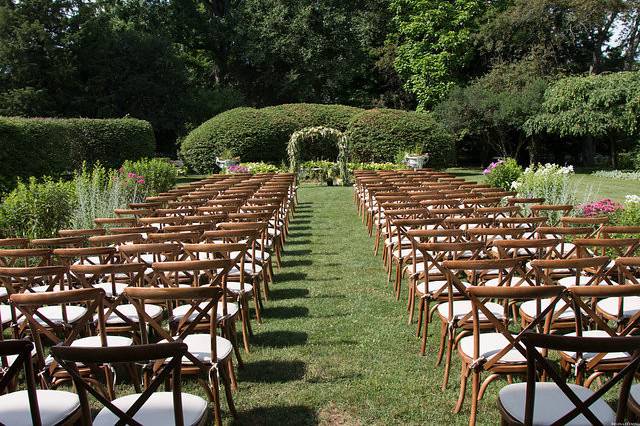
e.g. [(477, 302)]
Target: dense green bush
[(37, 209), (261, 134), (158, 174), (53, 147), (377, 135), (502, 173)]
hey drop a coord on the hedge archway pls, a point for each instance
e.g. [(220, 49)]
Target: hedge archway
[(313, 134)]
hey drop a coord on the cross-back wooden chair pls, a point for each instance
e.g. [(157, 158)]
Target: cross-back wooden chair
[(31, 406), (120, 317), (24, 257), (557, 402), (596, 308), (431, 281), (498, 351), (162, 362), (66, 318), (237, 290), (456, 315), (208, 355), (85, 233), (568, 234), (553, 212)]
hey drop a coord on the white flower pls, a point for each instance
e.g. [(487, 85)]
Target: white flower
[(515, 184), (632, 199)]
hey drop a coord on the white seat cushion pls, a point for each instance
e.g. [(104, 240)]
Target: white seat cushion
[(610, 356), (129, 311), (437, 285), (157, 410), (463, 307), (108, 288), (181, 311), (528, 308), (630, 306), (551, 404), (5, 313), (582, 280), (3, 292), (54, 314), (234, 287), (491, 344), (45, 288), (512, 282), (200, 347), (54, 405), (634, 393), (95, 342)]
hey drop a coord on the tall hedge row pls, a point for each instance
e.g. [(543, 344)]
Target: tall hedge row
[(45, 146), (262, 134), (377, 135)]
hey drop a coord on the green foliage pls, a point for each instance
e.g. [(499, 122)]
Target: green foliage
[(593, 105), (54, 147), (504, 174), (159, 174), (629, 215), (434, 41), (319, 170), (376, 166), (377, 135), (262, 134), (261, 167), (37, 209), (493, 108)]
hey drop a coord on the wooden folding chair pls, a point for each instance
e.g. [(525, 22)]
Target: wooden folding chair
[(560, 403), (31, 406), (146, 408)]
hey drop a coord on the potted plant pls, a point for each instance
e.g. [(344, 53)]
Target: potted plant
[(416, 158), (333, 174), (227, 159)]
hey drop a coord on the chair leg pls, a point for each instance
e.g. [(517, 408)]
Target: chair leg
[(447, 361), (420, 311), (443, 337), (464, 374), (224, 375), (233, 337), (398, 283), (475, 384), (244, 317)]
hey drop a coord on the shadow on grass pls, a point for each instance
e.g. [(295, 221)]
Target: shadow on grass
[(272, 371), (297, 252), (290, 276), (298, 242), (300, 222), (288, 293), (297, 262), (296, 227), (284, 312), (280, 415), (279, 339)]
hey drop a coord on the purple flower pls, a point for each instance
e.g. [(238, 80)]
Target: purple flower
[(492, 166), (601, 207), (237, 169)]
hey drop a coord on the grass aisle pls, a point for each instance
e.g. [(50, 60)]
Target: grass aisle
[(335, 347)]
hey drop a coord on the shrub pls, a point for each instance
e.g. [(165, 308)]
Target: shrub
[(617, 174), (502, 173), (261, 134), (159, 174), (54, 147), (261, 167), (376, 166), (100, 190), (603, 207), (37, 209), (377, 135), (630, 214)]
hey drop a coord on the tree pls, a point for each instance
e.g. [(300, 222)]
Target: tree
[(434, 44), (494, 108), (605, 106)]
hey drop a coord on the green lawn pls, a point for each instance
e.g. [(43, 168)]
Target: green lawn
[(335, 346), (589, 186)]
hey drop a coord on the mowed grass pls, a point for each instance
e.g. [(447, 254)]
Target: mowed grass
[(588, 186), (335, 346)]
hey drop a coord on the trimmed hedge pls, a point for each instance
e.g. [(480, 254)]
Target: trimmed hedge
[(46, 146), (377, 135), (262, 134)]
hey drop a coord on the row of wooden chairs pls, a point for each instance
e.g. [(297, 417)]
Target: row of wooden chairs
[(498, 268), (160, 274)]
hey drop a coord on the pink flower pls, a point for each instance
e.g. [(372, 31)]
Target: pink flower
[(601, 207), (492, 166), (131, 175), (140, 181)]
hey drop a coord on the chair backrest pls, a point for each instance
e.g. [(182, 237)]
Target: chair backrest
[(547, 270), (541, 321), (21, 349), (536, 363), (170, 353)]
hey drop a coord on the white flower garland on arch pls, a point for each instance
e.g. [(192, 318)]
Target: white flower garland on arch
[(319, 132)]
